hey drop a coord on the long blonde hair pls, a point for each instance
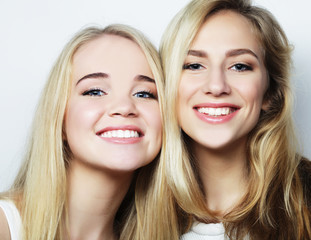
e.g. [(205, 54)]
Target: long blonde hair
[(275, 205), (39, 189)]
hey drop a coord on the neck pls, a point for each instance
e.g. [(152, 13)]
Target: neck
[(224, 176), (94, 197)]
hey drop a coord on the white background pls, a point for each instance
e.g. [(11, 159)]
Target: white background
[(33, 32)]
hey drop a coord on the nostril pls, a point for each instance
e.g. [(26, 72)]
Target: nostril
[(121, 107), (124, 114)]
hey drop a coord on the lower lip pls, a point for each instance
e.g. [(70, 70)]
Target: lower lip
[(215, 120), (122, 140)]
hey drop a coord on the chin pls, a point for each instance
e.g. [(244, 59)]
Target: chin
[(128, 166)]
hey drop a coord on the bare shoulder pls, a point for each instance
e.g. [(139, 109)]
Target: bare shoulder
[(4, 227)]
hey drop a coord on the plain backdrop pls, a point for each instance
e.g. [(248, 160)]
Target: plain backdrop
[(33, 32)]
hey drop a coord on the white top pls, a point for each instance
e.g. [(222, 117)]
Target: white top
[(203, 231), (13, 218)]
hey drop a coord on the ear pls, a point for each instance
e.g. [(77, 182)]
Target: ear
[(265, 105)]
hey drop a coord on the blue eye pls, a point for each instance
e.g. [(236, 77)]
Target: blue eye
[(192, 66), (145, 94), (94, 92), (239, 67)]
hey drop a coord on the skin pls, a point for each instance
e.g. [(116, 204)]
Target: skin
[(122, 96), (4, 227), (224, 72)]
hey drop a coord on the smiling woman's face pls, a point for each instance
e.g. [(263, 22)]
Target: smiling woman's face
[(113, 119), (223, 82)]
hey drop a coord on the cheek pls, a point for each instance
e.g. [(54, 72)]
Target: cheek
[(188, 87), (253, 92), (186, 90), (155, 117), (152, 117), (80, 116)]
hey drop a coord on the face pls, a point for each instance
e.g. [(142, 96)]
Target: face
[(113, 119), (223, 82)]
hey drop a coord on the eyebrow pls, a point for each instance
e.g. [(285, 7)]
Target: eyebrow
[(197, 53), (237, 52), (105, 75), (144, 78), (230, 53), (93, 75)]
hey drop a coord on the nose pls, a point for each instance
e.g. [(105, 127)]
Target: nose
[(216, 83), (123, 106)]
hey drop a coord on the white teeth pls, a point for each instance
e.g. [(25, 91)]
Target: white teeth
[(120, 134), (114, 133), (212, 111), (215, 111)]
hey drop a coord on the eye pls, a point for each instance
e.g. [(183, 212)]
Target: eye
[(192, 66), (94, 93), (240, 67), (145, 94)]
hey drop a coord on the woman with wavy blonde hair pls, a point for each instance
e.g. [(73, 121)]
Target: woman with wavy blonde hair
[(231, 159), (98, 121)]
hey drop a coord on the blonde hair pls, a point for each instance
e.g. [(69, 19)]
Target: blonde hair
[(275, 205), (39, 189)]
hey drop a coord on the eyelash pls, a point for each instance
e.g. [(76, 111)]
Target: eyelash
[(95, 92), (192, 66), (149, 93), (243, 67), (196, 66)]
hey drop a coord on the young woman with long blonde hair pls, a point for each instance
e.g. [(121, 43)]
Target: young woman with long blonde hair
[(232, 160), (97, 129)]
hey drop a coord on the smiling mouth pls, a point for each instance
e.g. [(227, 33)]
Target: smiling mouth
[(120, 134), (216, 112)]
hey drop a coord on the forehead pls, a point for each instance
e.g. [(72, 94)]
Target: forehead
[(107, 46), (110, 53), (227, 29)]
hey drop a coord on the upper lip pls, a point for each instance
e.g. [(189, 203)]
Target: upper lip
[(216, 105), (123, 127)]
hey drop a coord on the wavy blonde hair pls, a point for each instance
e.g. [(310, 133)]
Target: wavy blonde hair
[(39, 189), (275, 205)]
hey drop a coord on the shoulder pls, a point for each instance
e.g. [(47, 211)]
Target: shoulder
[(10, 220), (4, 227)]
